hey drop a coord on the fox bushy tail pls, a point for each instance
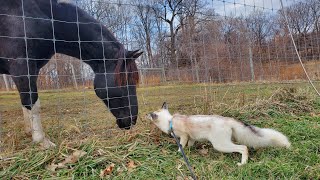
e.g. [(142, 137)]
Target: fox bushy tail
[(256, 137)]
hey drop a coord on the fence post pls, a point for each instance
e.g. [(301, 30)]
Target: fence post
[(141, 77), (251, 63), (164, 75), (74, 76), (219, 74), (197, 72), (5, 78)]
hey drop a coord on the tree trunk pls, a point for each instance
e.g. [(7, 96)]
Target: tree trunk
[(173, 44), (251, 64), (149, 50)]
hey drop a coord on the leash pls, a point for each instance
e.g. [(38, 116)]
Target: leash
[(182, 152)]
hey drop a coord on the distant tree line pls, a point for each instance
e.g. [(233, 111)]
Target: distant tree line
[(193, 43)]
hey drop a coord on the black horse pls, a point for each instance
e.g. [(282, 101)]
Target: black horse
[(32, 31)]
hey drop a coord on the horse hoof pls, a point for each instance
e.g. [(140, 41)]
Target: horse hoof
[(240, 164), (47, 144)]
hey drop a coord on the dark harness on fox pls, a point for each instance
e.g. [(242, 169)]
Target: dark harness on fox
[(181, 149)]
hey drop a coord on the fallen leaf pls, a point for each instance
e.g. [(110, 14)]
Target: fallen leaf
[(185, 178), (312, 114), (203, 151), (101, 152), (131, 165), (52, 167), (107, 171), (164, 151), (179, 178), (74, 157), (188, 178)]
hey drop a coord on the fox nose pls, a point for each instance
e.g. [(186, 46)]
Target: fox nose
[(153, 116)]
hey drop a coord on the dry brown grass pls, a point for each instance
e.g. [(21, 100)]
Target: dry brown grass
[(152, 80), (79, 120), (295, 71)]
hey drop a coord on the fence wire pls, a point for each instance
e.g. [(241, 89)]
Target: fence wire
[(194, 56)]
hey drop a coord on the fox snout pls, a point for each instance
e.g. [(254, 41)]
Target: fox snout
[(151, 116)]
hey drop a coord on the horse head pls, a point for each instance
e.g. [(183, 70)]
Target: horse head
[(117, 88)]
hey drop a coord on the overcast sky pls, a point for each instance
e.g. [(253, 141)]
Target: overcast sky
[(238, 7)]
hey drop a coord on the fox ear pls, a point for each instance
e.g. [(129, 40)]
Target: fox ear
[(165, 105)]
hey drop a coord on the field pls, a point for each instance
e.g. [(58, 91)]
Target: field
[(78, 120)]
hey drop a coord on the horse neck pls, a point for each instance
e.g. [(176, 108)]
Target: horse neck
[(91, 55), (97, 43), (97, 55)]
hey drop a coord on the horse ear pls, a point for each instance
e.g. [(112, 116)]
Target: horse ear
[(165, 105), (136, 55), (133, 54)]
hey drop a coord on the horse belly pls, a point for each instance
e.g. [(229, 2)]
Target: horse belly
[(3, 66)]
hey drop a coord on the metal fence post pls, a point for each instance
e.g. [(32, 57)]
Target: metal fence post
[(251, 63)]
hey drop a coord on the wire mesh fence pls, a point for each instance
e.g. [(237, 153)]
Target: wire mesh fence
[(193, 51)]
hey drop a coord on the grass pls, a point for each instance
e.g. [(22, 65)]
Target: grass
[(77, 120)]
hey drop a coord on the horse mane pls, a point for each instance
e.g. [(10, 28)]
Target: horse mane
[(126, 71)]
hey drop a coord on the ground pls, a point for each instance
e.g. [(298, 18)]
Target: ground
[(78, 120)]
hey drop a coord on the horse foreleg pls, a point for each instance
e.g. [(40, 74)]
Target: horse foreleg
[(27, 87), (27, 121), (33, 125)]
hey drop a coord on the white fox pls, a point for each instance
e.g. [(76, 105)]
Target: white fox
[(219, 131)]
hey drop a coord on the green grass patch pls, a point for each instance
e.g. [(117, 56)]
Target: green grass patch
[(78, 120)]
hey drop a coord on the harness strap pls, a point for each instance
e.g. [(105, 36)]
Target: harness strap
[(181, 149), (170, 126)]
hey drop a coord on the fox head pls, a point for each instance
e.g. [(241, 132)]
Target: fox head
[(161, 117)]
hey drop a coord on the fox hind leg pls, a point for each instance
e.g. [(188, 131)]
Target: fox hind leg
[(191, 142), (222, 142)]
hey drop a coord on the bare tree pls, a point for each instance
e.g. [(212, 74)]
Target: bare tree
[(168, 11), (259, 25), (107, 13), (315, 13), (146, 20), (300, 17)]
